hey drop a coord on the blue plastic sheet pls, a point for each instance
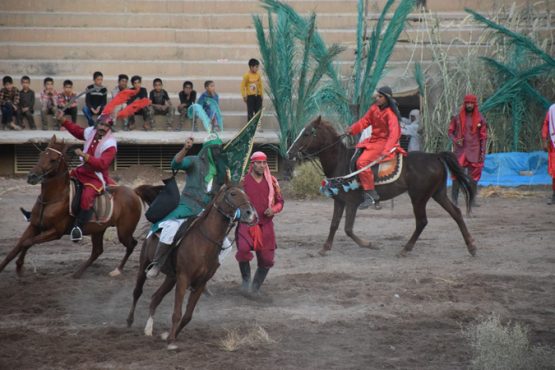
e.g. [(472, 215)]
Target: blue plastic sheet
[(515, 169)]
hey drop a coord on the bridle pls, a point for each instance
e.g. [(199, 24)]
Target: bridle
[(312, 136), (43, 177), (232, 218)]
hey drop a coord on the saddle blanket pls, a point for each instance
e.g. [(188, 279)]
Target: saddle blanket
[(103, 205), (385, 173)]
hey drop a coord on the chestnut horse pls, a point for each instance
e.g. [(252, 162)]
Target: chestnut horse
[(50, 218), (195, 258), (424, 176)]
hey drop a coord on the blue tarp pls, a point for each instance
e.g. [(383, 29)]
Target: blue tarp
[(504, 169)]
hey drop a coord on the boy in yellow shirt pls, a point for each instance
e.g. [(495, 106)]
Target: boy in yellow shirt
[(251, 88)]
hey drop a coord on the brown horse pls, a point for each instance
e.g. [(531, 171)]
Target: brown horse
[(424, 176), (195, 258), (50, 218)]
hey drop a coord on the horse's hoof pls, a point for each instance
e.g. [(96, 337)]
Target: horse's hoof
[(129, 322), (323, 252), (164, 335), (115, 272), (172, 347), (402, 253), (472, 251)]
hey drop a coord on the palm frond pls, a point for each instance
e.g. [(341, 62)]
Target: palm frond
[(360, 49), (516, 38)]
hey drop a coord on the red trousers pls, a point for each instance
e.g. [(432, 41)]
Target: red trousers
[(474, 168), (369, 155), (87, 197), (264, 256)]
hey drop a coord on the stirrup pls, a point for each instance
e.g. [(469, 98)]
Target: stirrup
[(76, 234), (152, 270)]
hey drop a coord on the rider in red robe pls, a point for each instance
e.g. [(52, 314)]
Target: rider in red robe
[(548, 136), (469, 132), (96, 157), (383, 116), (265, 196)]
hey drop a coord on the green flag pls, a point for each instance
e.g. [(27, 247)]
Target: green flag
[(237, 150)]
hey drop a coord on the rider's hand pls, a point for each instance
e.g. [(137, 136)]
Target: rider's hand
[(60, 115), (269, 212), (79, 152), (188, 143)]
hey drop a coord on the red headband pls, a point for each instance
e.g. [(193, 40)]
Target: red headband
[(470, 99), (258, 156)]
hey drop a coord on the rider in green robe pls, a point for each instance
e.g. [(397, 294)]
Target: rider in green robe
[(206, 173)]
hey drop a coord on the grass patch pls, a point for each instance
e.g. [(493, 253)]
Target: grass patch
[(500, 192), (254, 337), (506, 347)]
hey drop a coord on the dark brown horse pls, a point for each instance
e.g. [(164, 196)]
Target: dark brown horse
[(424, 176), (195, 258), (50, 218)]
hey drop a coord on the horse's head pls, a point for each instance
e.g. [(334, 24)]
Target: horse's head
[(233, 203), (52, 161), (313, 138)]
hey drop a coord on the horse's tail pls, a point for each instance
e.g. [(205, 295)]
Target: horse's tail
[(148, 193), (450, 161)]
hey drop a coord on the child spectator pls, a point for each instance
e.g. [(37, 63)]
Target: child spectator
[(123, 80), (9, 101), (210, 102), (136, 81), (251, 88), (187, 97), (96, 98), (26, 104), (47, 101), (161, 103), (64, 98)]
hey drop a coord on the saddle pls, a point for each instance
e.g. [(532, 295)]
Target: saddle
[(103, 203), (385, 172)]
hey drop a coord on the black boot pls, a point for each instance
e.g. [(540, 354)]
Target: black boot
[(455, 193), (371, 197), (245, 268), (259, 278), (82, 218), (552, 200), (160, 256)]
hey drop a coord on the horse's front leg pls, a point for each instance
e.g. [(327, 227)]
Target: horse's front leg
[(350, 223), (338, 207), (180, 290), (30, 237)]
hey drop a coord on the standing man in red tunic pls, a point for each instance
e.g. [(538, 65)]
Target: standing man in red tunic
[(383, 116), (265, 195), (96, 157), (548, 136), (468, 131)]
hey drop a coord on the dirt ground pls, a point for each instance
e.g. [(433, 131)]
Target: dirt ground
[(353, 309)]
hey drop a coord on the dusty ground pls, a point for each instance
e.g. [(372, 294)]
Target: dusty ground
[(353, 309)]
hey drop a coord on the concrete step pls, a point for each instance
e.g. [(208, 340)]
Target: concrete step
[(150, 35), (176, 6), (155, 20), (196, 71), (186, 69), (155, 51), (237, 6)]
